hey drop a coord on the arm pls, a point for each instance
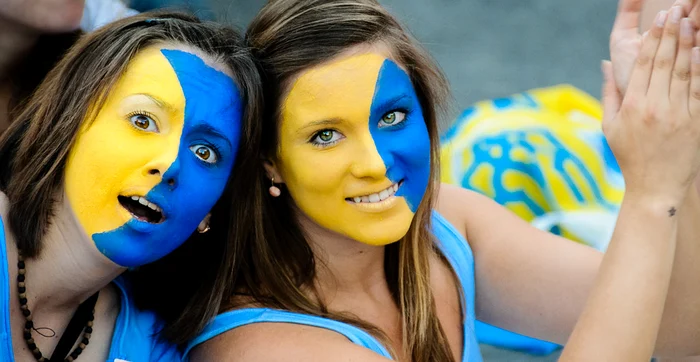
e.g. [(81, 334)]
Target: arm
[(610, 307), (679, 316), (536, 283)]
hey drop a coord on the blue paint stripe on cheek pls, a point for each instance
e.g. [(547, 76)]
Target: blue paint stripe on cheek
[(404, 147), (213, 102)]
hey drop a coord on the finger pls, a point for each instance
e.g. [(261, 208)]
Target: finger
[(680, 81), (687, 5), (694, 11), (611, 96), (694, 97), (641, 75), (665, 58), (628, 13)]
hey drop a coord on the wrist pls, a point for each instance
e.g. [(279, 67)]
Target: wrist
[(656, 203)]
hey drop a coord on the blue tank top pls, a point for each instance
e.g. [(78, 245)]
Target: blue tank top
[(133, 339), (453, 247)]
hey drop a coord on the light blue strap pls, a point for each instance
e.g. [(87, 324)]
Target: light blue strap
[(241, 317)]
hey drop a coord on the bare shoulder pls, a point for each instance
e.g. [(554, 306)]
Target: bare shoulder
[(469, 211), (281, 342)]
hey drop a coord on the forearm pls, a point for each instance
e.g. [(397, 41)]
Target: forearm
[(622, 315), (680, 326)]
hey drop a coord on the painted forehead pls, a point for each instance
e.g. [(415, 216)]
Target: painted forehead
[(211, 95), (206, 95), (345, 88)]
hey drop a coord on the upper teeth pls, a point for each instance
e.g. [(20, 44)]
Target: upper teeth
[(144, 202), (379, 196)]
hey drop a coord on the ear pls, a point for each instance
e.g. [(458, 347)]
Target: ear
[(204, 224), (273, 171)]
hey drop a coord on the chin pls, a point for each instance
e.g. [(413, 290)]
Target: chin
[(381, 234)]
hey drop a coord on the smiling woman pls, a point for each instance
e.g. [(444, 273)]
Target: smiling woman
[(120, 158), (358, 254)]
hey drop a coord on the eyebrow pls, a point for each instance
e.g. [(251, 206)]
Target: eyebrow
[(391, 102), (159, 102), (324, 122), (206, 128)]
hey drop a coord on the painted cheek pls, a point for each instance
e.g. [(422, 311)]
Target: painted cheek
[(405, 148)]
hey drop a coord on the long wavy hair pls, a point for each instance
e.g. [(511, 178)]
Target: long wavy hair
[(277, 264)]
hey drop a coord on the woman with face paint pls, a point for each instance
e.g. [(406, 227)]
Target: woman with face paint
[(119, 158), (358, 256)]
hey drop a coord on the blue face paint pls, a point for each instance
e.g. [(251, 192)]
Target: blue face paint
[(190, 187), (405, 146)]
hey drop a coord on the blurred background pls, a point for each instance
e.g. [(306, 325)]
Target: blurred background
[(487, 48)]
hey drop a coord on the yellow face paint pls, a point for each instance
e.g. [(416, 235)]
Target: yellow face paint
[(354, 150), (148, 80), (157, 156)]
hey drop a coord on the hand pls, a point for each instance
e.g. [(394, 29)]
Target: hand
[(625, 41), (625, 37), (654, 131)]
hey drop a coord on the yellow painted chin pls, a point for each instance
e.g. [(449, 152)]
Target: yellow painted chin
[(377, 228), (370, 224), (319, 179), (111, 157)]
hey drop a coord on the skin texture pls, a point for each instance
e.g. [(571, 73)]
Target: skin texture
[(350, 129), (168, 132)]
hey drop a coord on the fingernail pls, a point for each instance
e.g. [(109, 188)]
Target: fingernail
[(661, 18), (676, 14), (696, 55), (686, 27)]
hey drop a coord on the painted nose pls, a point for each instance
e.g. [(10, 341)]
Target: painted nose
[(368, 163), (165, 172)]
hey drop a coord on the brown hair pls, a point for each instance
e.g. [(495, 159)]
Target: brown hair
[(33, 153), (278, 266)]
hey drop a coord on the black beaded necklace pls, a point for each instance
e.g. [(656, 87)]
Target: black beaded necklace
[(81, 322)]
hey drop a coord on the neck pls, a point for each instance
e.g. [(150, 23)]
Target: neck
[(345, 266), (70, 268)]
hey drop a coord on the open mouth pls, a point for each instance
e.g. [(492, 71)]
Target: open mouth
[(378, 196), (141, 209)]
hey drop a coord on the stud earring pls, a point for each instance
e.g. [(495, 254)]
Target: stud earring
[(274, 190)]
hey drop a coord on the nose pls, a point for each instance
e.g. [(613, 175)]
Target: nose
[(165, 172), (368, 162)]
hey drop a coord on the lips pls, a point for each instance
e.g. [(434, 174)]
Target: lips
[(142, 209), (377, 196)]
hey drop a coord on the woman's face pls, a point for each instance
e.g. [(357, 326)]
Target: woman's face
[(354, 148), (45, 16), (152, 164)]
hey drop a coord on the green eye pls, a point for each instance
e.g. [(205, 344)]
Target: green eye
[(392, 118), (326, 135), (389, 118)]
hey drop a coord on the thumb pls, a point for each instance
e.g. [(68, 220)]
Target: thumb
[(611, 96)]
